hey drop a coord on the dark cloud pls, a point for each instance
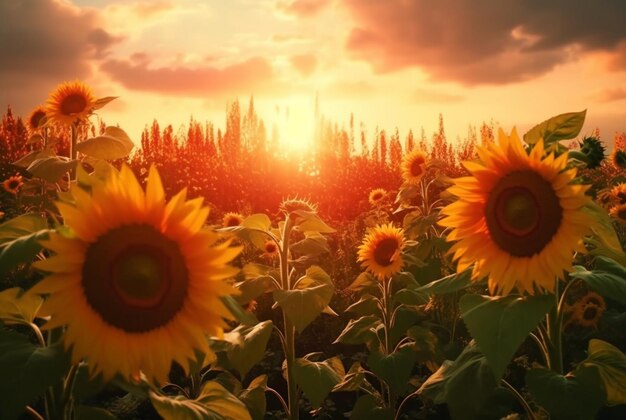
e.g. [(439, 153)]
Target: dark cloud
[(483, 41), (250, 76), (304, 63), (302, 8), (43, 43)]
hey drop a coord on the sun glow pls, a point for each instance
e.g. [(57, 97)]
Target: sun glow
[(295, 124)]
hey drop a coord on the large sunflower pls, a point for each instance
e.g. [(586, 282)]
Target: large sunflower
[(414, 166), (518, 219), (381, 251), (138, 281), (69, 102)]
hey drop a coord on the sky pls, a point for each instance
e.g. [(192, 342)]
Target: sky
[(393, 63)]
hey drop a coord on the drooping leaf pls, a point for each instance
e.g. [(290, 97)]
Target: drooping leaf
[(312, 245), (250, 289), (26, 160), (254, 397), (449, 284), (353, 380), (576, 396), (249, 349), (611, 365), (99, 103), (365, 306), (214, 403), (238, 312), (395, 369), (17, 306), (310, 222), (21, 250), (113, 144), (360, 331), (363, 281), (21, 226), (317, 378), (27, 370), (368, 408), (500, 324), (562, 127), (51, 168), (607, 278)]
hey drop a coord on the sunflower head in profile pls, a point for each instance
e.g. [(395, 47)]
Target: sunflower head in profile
[(617, 194), (69, 102), (36, 118), (138, 282), (377, 196), (414, 166), (232, 219), (381, 251), (618, 212), (588, 310), (618, 158), (593, 149), (291, 205), (270, 249), (518, 219), (12, 184)]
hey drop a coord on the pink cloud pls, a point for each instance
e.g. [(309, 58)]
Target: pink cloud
[(304, 63), (302, 8)]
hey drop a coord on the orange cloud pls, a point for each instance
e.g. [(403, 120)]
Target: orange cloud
[(304, 63), (611, 95), (302, 8)]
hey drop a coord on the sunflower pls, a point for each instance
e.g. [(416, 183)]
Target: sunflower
[(381, 251), (69, 102), (2, 214), (270, 248), (618, 212), (36, 118), (593, 149), (376, 196), (588, 310), (291, 205), (137, 282), (618, 194), (12, 184), (232, 219), (518, 219), (414, 166), (618, 158)]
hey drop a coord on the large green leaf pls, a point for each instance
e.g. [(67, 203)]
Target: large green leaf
[(248, 345), (424, 345), (21, 226), (604, 241), (312, 245), (367, 305), (368, 408), (500, 324), (18, 307), (575, 396), (252, 288), (26, 160), (84, 412), (113, 144), (353, 380), (254, 397), (465, 384), (364, 281), (608, 278), (213, 403), (238, 312), (449, 284), (395, 369), (611, 365), (21, 250), (27, 370), (562, 127), (317, 378), (310, 222), (360, 331), (51, 168)]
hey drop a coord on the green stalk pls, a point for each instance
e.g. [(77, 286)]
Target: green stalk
[(290, 343), (73, 151), (388, 324), (554, 335)]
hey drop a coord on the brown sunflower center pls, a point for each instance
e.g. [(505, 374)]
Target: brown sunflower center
[(135, 278), (36, 118), (523, 213), (385, 251), (621, 213), (14, 184), (621, 197), (590, 313), (377, 196), (73, 104), (232, 221), (270, 247), (416, 166)]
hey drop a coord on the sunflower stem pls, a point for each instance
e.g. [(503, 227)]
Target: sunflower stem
[(554, 335), (34, 414), (529, 412), (67, 401), (388, 344), (73, 151)]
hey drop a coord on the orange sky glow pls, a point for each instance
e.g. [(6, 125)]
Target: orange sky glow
[(394, 63)]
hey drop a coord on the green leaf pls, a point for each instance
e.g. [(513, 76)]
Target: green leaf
[(21, 250), (254, 397), (258, 221), (17, 306), (604, 241), (395, 369), (575, 396), (364, 281), (365, 306), (562, 127), (85, 385), (99, 103), (51, 168), (353, 380), (238, 312), (252, 288), (424, 344), (360, 331), (84, 412), (27, 370), (611, 365), (317, 378), (608, 278), (26, 160), (410, 297), (310, 222), (368, 408), (416, 225), (404, 318), (312, 245), (249, 347), (214, 403), (21, 226), (113, 144), (35, 138), (500, 324), (449, 284), (465, 384)]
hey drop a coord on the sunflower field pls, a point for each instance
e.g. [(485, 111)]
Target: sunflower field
[(204, 275)]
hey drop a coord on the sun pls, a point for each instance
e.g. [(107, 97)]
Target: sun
[(295, 121)]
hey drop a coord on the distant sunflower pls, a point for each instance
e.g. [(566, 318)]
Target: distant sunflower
[(381, 251), (138, 283), (69, 102), (618, 158), (618, 212), (588, 310), (1, 215), (12, 184), (271, 249), (232, 219), (414, 166), (618, 194), (291, 205), (376, 196), (518, 219), (36, 118)]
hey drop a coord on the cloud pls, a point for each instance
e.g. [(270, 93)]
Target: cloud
[(610, 95), (302, 8), (483, 42), (45, 42), (253, 75), (304, 63), (429, 95)]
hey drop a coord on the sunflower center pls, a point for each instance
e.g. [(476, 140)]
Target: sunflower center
[(416, 166), (385, 251), (523, 213), (377, 196), (36, 119), (621, 214), (14, 184), (621, 197), (270, 248), (135, 278), (73, 104), (590, 312)]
